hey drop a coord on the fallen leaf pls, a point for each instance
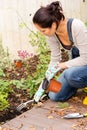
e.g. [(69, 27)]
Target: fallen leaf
[(76, 99), (62, 105), (50, 117), (60, 113), (2, 128), (39, 104), (51, 129), (20, 126), (32, 128)]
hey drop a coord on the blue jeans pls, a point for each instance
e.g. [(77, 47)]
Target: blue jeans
[(72, 79)]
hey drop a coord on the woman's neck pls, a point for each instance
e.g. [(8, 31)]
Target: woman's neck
[(63, 33)]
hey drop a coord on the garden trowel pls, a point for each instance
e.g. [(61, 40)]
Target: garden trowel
[(74, 115)]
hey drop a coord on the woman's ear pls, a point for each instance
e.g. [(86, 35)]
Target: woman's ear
[(54, 25)]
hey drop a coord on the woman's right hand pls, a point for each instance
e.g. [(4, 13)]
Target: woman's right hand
[(50, 73)]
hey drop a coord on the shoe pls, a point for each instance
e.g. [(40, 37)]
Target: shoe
[(44, 97)]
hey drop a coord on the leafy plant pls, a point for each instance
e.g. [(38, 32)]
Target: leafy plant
[(1, 73), (39, 41), (3, 101), (4, 85), (4, 58), (4, 91), (86, 23), (33, 82), (19, 83)]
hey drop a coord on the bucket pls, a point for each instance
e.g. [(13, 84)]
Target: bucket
[(54, 86)]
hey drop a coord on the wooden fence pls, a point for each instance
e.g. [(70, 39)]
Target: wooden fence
[(14, 12)]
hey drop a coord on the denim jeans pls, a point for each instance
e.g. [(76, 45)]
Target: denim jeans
[(72, 79)]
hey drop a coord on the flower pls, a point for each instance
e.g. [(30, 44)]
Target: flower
[(24, 54)]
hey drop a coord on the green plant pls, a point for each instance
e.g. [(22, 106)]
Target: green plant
[(3, 101), (19, 83), (86, 23), (4, 92), (38, 40), (4, 84), (32, 84), (1, 73), (4, 58)]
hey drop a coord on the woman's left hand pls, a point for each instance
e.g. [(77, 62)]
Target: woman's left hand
[(62, 65)]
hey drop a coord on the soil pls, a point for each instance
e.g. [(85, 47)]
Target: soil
[(20, 95)]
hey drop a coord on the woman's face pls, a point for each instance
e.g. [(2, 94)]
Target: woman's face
[(47, 31)]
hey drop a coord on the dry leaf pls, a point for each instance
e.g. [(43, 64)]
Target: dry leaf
[(39, 104), (50, 117), (51, 129), (2, 128), (21, 126), (60, 113), (32, 128)]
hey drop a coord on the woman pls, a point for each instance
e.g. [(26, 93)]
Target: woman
[(51, 22)]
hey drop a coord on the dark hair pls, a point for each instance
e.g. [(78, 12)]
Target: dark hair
[(45, 16)]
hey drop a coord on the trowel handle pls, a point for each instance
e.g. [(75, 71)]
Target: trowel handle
[(85, 115)]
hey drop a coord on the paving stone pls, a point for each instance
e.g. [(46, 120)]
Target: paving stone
[(41, 118)]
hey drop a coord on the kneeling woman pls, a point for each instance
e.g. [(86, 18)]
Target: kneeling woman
[(50, 21)]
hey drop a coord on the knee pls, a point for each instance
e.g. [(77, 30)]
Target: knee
[(68, 74), (71, 76), (52, 96), (56, 97)]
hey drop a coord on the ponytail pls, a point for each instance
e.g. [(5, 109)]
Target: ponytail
[(55, 9), (45, 16)]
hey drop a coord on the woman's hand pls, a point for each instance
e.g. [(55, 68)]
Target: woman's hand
[(52, 70), (62, 65)]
